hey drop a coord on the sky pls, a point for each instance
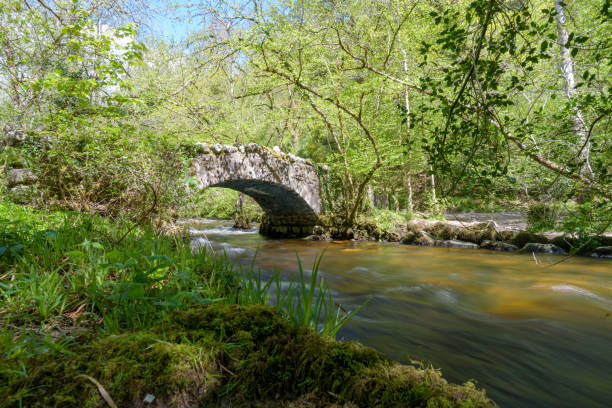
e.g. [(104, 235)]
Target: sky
[(173, 23)]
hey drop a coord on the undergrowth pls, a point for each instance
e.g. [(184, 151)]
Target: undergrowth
[(219, 203)]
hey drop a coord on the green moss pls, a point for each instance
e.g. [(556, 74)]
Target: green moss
[(128, 366), (442, 230), (478, 233), (524, 237), (233, 355)]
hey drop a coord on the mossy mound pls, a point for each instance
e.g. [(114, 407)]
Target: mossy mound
[(219, 355)]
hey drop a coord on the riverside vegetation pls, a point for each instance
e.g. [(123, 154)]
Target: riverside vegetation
[(94, 313)]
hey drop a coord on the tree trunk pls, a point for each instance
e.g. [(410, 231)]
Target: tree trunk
[(433, 185), (371, 196), (241, 220), (408, 173), (567, 70)]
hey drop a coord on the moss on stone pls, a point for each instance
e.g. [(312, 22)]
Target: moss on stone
[(521, 238), (129, 366), (445, 231), (478, 233), (220, 355)]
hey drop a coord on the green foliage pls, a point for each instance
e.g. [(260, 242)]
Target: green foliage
[(76, 269), (131, 283), (542, 217), (586, 221), (70, 97), (386, 221), (304, 303), (436, 206), (462, 90), (219, 203)]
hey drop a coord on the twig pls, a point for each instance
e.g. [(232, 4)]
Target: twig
[(144, 214), (101, 390)]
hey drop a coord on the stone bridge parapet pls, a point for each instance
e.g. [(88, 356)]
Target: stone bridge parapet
[(286, 187)]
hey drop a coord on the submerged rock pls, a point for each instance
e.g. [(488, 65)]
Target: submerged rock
[(498, 246), (543, 248), (602, 252), (316, 237), (453, 243)]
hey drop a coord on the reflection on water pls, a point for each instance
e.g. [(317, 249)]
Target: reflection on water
[(533, 335)]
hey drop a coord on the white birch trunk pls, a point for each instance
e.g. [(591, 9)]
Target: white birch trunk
[(567, 70), (408, 175)]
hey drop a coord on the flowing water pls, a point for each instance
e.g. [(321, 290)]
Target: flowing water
[(531, 333)]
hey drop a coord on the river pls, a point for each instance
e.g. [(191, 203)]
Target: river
[(531, 331)]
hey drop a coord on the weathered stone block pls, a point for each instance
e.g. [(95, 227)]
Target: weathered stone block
[(20, 176)]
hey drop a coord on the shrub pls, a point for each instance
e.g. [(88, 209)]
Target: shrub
[(542, 217)]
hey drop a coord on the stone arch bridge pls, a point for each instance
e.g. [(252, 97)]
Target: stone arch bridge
[(286, 187)]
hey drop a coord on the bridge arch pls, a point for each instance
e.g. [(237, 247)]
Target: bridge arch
[(285, 186)]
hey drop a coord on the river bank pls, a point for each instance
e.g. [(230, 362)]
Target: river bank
[(98, 313), (469, 231)]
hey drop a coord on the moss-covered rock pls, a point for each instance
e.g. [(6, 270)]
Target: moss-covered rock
[(498, 246), (478, 233), (219, 355), (418, 238), (543, 248), (567, 243), (505, 236), (444, 231), (521, 238)]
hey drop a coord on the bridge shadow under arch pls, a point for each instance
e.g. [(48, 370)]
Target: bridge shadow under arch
[(282, 205)]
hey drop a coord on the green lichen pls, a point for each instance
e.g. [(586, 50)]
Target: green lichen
[(229, 355)]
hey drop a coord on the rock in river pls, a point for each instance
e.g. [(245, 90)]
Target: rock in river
[(543, 248), (498, 246), (454, 243), (418, 238)]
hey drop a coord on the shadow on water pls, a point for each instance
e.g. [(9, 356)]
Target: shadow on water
[(532, 335)]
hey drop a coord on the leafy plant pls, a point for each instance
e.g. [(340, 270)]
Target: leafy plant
[(305, 303), (542, 217)]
